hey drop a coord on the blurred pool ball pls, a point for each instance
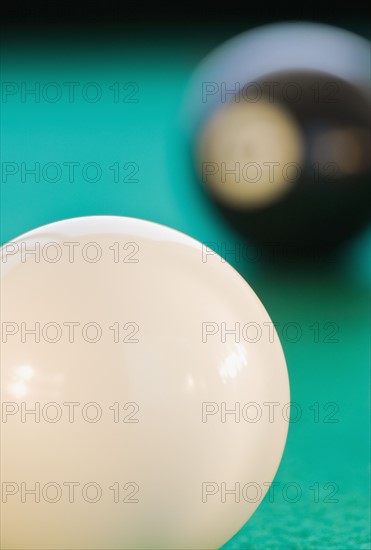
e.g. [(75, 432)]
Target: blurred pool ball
[(286, 157)]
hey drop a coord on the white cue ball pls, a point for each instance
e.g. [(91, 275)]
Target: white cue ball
[(104, 338), (250, 153)]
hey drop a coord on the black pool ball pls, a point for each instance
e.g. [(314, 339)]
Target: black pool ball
[(286, 156)]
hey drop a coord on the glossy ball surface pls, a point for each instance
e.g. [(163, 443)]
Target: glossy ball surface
[(115, 368)]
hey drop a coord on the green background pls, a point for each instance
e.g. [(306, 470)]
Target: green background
[(328, 449)]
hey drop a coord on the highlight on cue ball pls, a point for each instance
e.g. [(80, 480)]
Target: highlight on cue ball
[(241, 147), (140, 379)]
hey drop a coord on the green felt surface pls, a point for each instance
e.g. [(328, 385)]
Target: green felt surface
[(334, 369)]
